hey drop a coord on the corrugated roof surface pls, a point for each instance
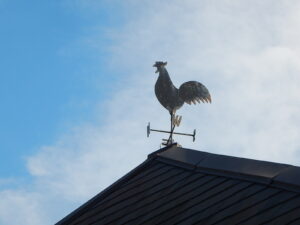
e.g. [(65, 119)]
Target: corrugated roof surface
[(181, 186)]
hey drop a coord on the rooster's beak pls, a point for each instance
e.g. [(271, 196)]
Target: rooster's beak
[(156, 68)]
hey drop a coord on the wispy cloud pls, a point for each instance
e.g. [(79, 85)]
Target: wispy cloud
[(246, 53), (21, 207)]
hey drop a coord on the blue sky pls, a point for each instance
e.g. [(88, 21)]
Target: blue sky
[(77, 91), (47, 74)]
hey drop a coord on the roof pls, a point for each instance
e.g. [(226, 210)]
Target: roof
[(183, 186)]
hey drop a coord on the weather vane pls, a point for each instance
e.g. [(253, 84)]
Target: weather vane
[(173, 98)]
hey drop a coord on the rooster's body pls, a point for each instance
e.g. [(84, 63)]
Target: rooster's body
[(173, 98)]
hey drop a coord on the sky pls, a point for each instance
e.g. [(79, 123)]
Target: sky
[(76, 91)]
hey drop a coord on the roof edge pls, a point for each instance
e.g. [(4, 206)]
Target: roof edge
[(111, 188), (157, 152)]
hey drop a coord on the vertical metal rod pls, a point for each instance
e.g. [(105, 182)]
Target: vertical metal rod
[(170, 140), (171, 135)]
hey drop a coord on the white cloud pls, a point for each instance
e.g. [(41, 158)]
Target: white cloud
[(246, 53), (20, 207), (248, 56)]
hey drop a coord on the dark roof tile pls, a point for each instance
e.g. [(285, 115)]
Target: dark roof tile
[(241, 166), (289, 176), (183, 186)]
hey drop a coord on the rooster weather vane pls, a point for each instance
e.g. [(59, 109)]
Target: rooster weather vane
[(173, 99)]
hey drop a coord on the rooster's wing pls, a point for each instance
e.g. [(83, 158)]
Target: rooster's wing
[(193, 91)]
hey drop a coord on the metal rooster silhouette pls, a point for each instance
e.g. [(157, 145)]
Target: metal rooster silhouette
[(173, 98)]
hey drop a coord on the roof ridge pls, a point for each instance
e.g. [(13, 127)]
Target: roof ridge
[(271, 173)]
